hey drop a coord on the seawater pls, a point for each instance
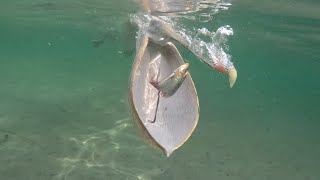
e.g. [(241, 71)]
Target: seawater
[(63, 99)]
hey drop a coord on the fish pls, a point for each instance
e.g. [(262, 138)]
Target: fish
[(169, 85)]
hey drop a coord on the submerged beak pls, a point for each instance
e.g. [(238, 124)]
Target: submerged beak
[(220, 68), (232, 76), (231, 72)]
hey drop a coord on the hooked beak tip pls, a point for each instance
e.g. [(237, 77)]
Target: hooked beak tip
[(232, 77)]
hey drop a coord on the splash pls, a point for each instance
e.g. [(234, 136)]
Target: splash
[(214, 50), (209, 47)]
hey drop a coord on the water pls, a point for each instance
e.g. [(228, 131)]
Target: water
[(64, 112)]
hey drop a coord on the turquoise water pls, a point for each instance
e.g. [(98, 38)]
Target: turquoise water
[(63, 103)]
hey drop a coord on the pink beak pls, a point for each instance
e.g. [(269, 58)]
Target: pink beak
[(231, 72), (220, 68)]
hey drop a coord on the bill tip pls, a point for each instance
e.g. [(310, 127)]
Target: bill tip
[(232, 77)]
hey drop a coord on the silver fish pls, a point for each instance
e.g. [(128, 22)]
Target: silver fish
[(169, 85)]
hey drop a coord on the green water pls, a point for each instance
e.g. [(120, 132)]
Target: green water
[(63, 103)]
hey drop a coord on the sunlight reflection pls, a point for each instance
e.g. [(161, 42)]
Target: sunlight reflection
[(114, 151)]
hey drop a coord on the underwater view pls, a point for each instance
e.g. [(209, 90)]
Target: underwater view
[(73, 90)]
